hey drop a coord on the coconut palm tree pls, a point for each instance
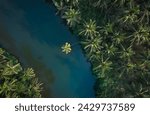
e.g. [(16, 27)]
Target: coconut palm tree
[(37, 86), (107, 29), (129, 18), (95, 56), (92, 45), (118, 38), (103, 67), (145, 14), (66, 48), (89, 29), (34, 89), (131, 15), (8, 87), (11, 68), (60, 6), (126, 53), (142, 35), (2, 58), (130, 67), (1, 51), (110, 49), (72, 16), (144, 65), (28, 74)]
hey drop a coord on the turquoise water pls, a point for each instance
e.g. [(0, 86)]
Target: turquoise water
[(31, 31)]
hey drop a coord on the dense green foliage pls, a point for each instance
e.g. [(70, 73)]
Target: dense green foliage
[(14, 81), (115, 36)]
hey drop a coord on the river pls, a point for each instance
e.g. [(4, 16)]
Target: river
[(31, 30)]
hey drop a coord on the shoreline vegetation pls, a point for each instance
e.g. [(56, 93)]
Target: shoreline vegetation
[(115, 37), (16, 82)]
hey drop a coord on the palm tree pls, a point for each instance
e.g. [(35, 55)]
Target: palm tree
[(37, 86), (92, 45), (72, 16), (130, 67), (28, 74), (1, 51), (107, 29), (89, 29), (2, 58), (144, 65), (95, 56), (66, 48), (129, 18), (142, 35), (103, 67), (131, 15), (110, 50), (34, 89), (8, 87), (145, 14), (118, 38), (126, 53), (60, 6), (11, 68)]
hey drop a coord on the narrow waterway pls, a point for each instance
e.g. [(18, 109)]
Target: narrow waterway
[(32, 31)]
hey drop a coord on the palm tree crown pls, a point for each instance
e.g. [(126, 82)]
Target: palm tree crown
[(72, 16), (89, 29)]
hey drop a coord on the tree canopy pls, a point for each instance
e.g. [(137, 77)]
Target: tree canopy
[(115, 36), (16, 81)]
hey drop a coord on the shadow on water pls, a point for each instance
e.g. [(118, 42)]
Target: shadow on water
[(35, 35)]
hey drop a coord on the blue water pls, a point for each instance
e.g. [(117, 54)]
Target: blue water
[(31, 31)]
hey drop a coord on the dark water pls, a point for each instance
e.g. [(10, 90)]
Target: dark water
[(31, 31)]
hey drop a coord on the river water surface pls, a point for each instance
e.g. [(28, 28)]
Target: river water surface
[(31, 30)]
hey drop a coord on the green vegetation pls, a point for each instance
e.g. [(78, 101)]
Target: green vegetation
[(72, 16), (66, 48), (14, 81), (115, 36)]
